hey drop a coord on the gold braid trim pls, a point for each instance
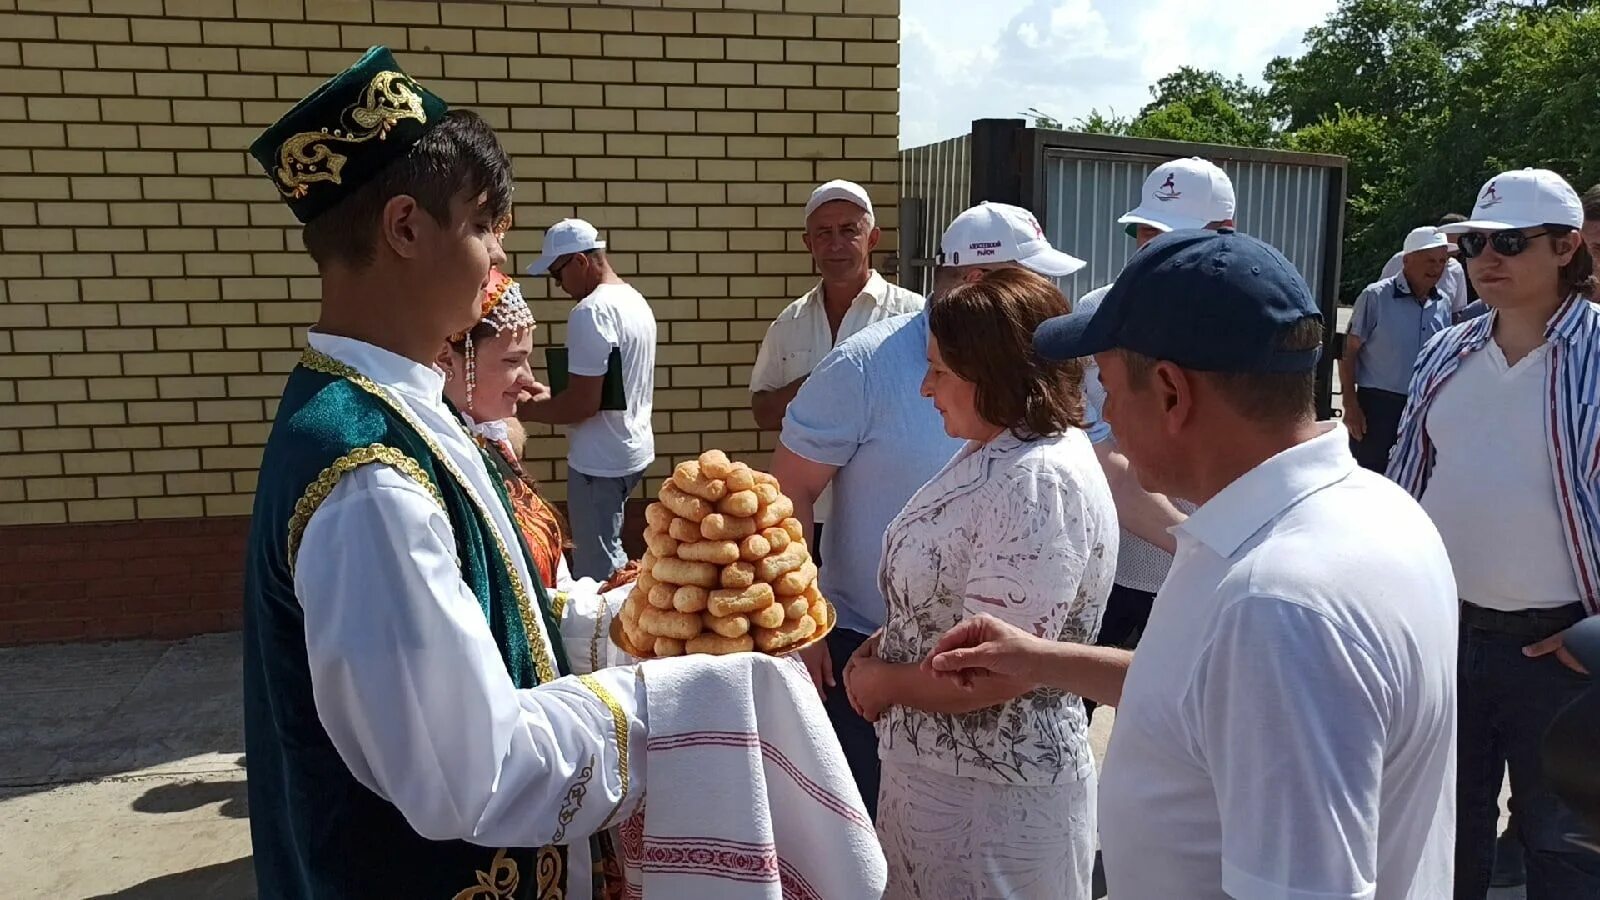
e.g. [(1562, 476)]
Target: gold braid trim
[(619, 721), (319, 489), (558, 604), (544, 666)]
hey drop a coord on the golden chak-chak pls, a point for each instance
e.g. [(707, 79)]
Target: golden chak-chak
[(727, 569)]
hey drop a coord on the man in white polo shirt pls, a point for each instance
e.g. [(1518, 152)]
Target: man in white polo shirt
[(1183, 193), (840, 232), (612, 327), (1286, 729)]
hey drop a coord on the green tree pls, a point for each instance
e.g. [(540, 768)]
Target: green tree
[(1205, 107)]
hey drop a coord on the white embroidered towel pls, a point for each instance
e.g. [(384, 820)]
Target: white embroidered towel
[(749, 794)]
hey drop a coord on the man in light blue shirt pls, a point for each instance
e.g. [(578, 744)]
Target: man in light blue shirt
[(1392, 321), (860, 423)]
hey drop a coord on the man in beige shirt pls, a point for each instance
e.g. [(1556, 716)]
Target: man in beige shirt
[(841, 234)]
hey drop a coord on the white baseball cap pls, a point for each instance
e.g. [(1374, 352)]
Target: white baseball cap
[(564, 237), (838, 189), (992, 233), (1523, 199), (1184, 193), (1425, 238)]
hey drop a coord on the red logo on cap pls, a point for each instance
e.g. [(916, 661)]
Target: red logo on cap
[(1168, 190), (1490, 197)]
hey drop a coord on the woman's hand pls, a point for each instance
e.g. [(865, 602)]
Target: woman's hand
[(865, 684)]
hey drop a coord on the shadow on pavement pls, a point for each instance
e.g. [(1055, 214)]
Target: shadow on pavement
[(171, 798), (234, 880)]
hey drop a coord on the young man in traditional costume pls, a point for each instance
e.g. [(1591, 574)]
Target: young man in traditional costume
[(411, 726), (394, 625)]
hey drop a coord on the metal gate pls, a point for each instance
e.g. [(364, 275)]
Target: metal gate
[(1079, 184)]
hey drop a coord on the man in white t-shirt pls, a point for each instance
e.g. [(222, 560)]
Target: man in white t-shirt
[(612, 327), (1286, 729), (840, 232), (1183, 193)]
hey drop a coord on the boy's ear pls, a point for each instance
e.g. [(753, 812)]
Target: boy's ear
[(400, 227)]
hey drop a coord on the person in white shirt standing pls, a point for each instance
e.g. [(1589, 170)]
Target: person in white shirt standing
[(1183, 193), (609, 449), (1286, 728), (841, 233), (1498, 442)]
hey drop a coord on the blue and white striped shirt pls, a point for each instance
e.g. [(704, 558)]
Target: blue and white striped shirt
[(1574, 420)]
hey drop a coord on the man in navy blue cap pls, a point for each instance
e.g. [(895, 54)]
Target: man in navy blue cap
[(1287, 725)]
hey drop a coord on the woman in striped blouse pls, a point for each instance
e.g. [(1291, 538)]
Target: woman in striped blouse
[(1500, 441)]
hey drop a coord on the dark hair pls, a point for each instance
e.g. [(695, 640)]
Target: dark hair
[(1451, 219), (1591, 204), (985, 334), (1577, 276), (1259, 396), (459, 156)]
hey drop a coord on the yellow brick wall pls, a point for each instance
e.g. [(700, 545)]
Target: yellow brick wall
[(153, 291)]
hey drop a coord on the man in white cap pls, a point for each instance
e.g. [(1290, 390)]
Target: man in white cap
[(841, 233), (1453, 284), (609, 444), (1181, 194), (1498, 442), (861, 423), (1392, 321)]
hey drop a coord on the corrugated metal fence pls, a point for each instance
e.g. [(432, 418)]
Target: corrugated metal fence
[(935, 186), (1079, 184), (1085, 192)]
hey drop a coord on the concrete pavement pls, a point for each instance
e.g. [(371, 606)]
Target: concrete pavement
[(122, 772)]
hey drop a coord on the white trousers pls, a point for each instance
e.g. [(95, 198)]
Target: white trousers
[(952, 838)]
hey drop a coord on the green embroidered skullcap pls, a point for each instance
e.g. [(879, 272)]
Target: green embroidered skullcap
[(345, 132)]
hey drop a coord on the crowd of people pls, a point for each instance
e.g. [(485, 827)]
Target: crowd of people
[(1008, 492)]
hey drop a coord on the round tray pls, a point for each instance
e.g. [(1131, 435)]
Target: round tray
[(621, 639)]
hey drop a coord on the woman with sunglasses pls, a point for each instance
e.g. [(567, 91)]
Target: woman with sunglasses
[(1500, 441)]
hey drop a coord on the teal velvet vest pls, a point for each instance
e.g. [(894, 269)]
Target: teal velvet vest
[(317, 832)]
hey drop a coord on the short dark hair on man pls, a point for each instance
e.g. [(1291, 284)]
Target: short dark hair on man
[(1267, 397), (1591, 204), (985, 333), (1451, 219), (460, 155)]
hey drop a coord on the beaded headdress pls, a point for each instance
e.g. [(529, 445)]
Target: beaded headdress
[(503, 310)]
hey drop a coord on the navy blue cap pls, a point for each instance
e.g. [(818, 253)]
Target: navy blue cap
[(1213, 301)]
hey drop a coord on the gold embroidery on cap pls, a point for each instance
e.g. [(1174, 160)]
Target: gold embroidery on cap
[(307, 157)]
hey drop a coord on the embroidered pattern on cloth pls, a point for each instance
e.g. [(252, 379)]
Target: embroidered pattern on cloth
[(619, 721), (307, 157), (573, 801), (771, 754), (499, 883), (544, 665), (535, 518), (318, 490)]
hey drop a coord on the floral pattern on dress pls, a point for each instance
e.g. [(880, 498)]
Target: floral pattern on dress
[(1026, 532)]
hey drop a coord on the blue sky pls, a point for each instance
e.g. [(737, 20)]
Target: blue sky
[(961, 61)]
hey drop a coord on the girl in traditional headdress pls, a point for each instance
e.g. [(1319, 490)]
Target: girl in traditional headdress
[(486, 372)]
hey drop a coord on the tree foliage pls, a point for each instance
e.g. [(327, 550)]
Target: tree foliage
[(1426, 99)]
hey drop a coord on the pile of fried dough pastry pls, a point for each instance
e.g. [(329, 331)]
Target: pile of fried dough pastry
[(727, 569)]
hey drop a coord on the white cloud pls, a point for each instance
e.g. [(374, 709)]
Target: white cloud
[(1067, 57)]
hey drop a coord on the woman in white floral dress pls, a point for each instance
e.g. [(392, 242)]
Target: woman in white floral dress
[(989, 792)]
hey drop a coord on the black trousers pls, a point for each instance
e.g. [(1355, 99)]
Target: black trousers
[(1127, 613), (1382, 409)]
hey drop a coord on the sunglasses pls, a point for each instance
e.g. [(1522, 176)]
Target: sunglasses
[(555, 270), (1506, 243)]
